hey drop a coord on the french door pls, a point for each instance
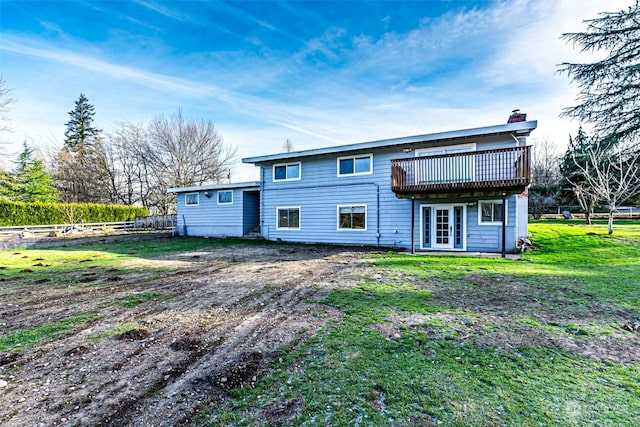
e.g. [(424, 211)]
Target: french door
[(442, 227)]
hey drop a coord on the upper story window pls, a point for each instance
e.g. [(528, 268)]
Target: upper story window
[(286, 172), (225, 197), (192, 199), (490, 212), (355, 165)]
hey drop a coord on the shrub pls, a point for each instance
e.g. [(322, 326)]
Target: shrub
[(38, 213)]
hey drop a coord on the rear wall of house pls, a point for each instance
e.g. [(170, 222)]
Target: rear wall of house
[(210, 219), (320, 191)]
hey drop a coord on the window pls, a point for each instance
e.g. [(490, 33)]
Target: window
[(458, 213), (225, 197), (286, 172), (426, 238), (355, 165), (191, 199), (352, 217), (445, 169), (288, 218), (490, 213)]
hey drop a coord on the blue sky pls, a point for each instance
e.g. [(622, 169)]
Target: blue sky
[(318, 73)]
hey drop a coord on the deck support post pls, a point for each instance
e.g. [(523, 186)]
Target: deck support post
[(504, 224)]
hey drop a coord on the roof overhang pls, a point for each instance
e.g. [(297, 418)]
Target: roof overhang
[(516, 129), (253, 185)]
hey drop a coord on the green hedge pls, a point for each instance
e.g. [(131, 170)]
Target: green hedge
[(19, 213)]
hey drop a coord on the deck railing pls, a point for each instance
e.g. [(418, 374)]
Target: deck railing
[(490, 169)]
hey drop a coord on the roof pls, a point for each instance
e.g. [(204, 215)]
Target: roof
[(213, 187), (518, 129)]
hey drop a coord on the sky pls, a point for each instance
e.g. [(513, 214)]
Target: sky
[(318, 73)]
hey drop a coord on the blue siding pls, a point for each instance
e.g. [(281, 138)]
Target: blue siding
[(320, 191), (488, 238), (209, 219)]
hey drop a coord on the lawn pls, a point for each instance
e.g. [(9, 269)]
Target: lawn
[(431, 340), (223, 332)]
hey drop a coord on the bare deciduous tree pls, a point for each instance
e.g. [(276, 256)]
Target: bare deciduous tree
[(287, 146), (133, 165), (545, 168), (184, 152), (5, 103), (125, 164), (611, 175), (545, 176)]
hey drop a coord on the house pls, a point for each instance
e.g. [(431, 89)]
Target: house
[(463, 190), (218, 210)]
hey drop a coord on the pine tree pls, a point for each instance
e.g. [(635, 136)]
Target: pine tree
[(7, 185), (80, 132), (610, 88), (78, 172), (575, 159), (32, 183)]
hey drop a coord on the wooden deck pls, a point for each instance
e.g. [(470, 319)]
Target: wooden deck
[(489, 172)]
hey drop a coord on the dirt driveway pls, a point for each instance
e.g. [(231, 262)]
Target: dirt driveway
[(214, 322)]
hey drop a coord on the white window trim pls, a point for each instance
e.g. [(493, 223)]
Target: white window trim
[(273, 172), (458, 147), (192, 204), (494, 223), (224, 191), (354, 157), (289, 228), (352, 205)]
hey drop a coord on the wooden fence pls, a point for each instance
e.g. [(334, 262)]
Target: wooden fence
[(162, 222)]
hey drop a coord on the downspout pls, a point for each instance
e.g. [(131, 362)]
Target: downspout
[(184, 222), (261, 195), (504, 224), (377, 213)]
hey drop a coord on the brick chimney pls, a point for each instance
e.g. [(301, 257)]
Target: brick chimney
[(517, 116)]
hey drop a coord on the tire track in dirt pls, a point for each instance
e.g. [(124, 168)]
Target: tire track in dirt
[(216, 330), (204, 380)]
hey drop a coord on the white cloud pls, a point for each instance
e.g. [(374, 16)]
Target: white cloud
[(394, 85)]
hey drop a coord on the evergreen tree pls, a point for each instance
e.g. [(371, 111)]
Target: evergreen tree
[(32, 183), (79, 175), (80, 132), (610, 88), (7, 185), (575, 160)]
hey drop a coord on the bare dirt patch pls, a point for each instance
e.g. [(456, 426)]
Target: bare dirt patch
[(503, 312), (222, 315)]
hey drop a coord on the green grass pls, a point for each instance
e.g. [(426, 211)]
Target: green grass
[(134, 300), (424, 340), (583, 259), (375, 301), (25, 338), (60, 265), (119, 330), (430, 373)]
